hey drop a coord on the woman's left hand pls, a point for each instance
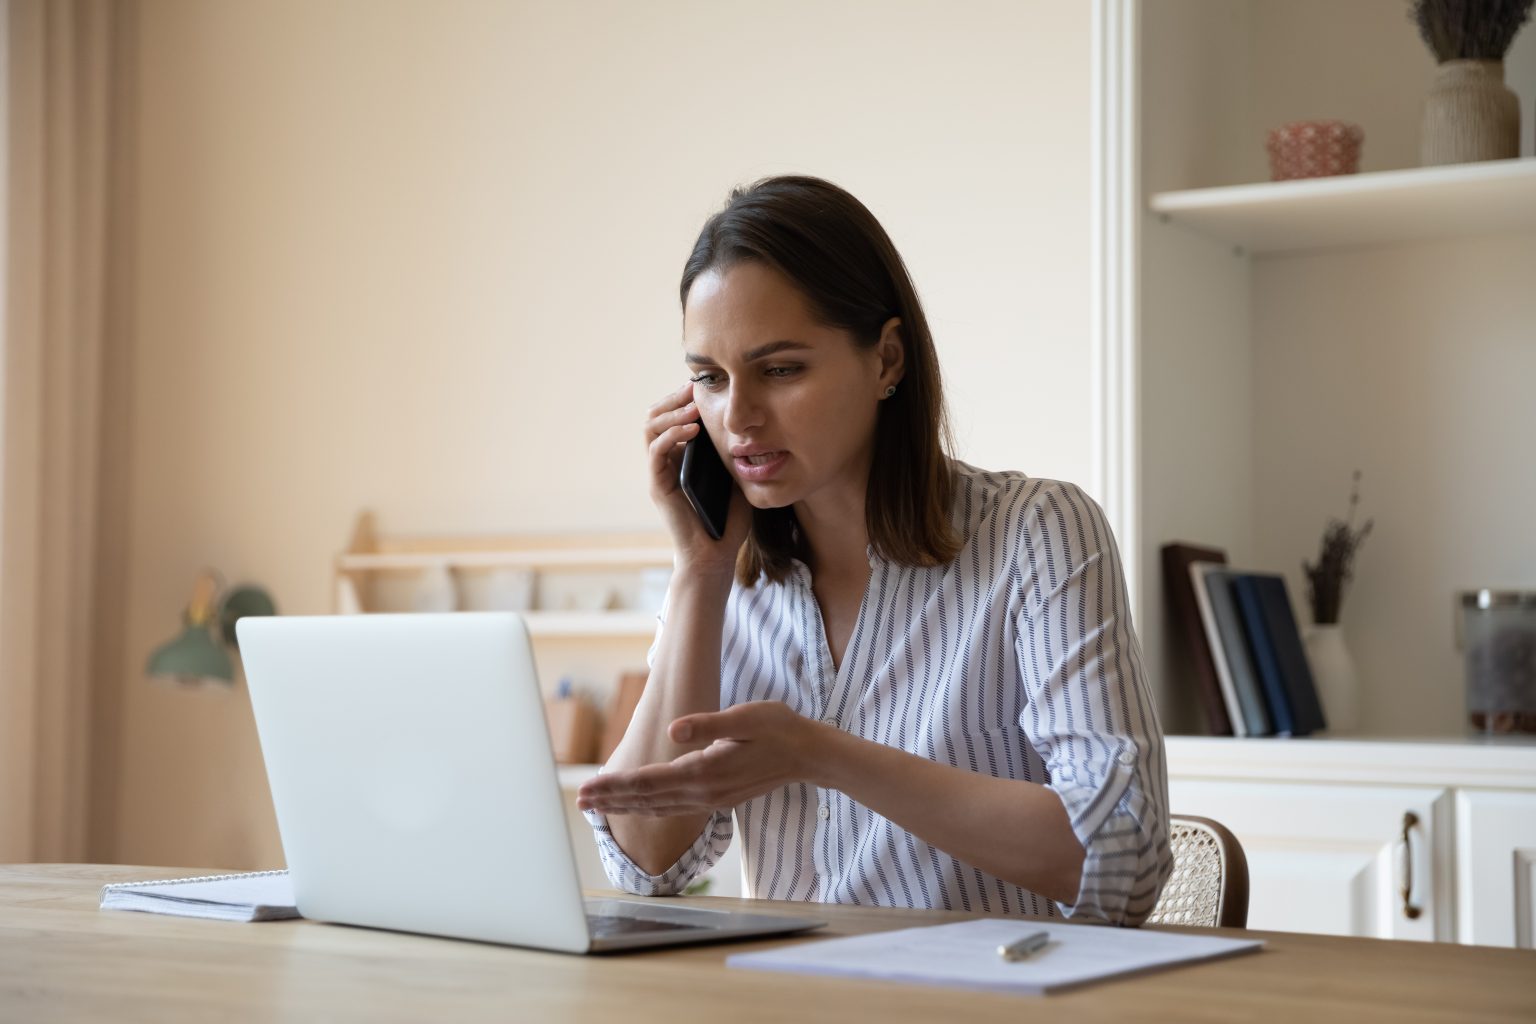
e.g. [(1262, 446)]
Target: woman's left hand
[(751, 749)]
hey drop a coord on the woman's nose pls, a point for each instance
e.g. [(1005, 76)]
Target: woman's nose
[(743, 412)]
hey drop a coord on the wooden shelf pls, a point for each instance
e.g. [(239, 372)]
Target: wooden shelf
[(573, 775), (585, 565), (626, 625), (1382, 207), (594, 558)]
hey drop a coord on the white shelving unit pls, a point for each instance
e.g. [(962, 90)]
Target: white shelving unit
[(1257, 341), (1383, 207)]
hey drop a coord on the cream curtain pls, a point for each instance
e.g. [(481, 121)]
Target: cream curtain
[(58, 349)]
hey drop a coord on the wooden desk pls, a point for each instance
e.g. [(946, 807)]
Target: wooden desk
[(63, 959)]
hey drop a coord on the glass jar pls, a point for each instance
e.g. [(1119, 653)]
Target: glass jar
[(1496, 632)]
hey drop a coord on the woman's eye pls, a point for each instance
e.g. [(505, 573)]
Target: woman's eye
[(709, 380), (782, 371)]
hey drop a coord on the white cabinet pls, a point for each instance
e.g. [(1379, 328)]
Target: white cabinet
[(1339, 860), (1496, 867), (1432, 839)]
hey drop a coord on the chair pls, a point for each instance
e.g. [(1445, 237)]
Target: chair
[(1209, 884)]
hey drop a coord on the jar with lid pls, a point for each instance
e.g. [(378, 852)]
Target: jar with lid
[(1496, 632)]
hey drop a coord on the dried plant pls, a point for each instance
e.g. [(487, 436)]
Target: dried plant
[(1326, 579), (1469, 29)]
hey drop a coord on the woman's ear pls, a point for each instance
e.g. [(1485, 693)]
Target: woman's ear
[(892, 351)]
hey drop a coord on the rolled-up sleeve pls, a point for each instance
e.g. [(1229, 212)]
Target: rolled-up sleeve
[(698, 858), (1089, 711)]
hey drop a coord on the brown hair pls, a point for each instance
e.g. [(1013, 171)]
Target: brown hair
[(832, 248)]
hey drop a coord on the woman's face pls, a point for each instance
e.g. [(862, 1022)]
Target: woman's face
[(790, 403)]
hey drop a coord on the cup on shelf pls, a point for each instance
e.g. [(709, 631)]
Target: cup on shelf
[(505, 589), (1314, 149), (435, 590)]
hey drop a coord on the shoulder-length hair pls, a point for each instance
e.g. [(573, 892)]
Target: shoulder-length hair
[(832, 248)]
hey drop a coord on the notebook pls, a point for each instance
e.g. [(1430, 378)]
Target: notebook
[(255, 896), (1278, 654), (1184, 612), (1229, 644), (965, 955)]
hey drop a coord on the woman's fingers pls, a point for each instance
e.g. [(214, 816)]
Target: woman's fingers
[(678, 407), (663, 421), (671, 400), (666, 443)]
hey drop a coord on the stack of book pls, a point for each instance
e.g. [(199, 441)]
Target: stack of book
[(1242, 640)]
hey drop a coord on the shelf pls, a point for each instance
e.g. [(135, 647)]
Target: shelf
[(622, 625), (595, 558), (573, 775), (1382, 207)]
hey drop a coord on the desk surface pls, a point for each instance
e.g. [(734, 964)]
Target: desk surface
[(61, 958)]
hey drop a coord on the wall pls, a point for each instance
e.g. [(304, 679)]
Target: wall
[(424, 259)]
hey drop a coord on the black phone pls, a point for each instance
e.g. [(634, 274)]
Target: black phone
[(706, 482)]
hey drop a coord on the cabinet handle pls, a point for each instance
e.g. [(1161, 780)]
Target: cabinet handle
[(1410, 911)]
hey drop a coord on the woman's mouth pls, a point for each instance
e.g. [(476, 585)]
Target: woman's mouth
[(759, 467)]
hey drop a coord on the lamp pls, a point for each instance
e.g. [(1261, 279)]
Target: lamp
[(209, 620)]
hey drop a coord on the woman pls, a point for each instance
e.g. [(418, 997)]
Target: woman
[(915, 682)]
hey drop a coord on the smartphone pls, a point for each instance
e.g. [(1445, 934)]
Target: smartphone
[(706, 482)]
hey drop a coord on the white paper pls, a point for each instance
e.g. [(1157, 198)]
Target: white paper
[(965, 955), (258, 896)]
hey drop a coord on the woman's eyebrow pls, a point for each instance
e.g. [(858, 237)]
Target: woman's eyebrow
[(762, 351)]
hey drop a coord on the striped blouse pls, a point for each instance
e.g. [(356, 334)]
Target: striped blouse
[(1016, 660)]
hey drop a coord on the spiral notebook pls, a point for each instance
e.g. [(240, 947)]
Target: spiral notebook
[(252, 896)]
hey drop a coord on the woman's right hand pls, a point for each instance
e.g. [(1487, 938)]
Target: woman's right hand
[(670, 424)]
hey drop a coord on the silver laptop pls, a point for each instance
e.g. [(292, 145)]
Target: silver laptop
[(416, 790)]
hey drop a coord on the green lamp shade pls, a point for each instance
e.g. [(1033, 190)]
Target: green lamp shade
[(238, 603), (193, 655)]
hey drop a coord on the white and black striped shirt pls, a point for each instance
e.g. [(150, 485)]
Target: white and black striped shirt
[(1016, 660)]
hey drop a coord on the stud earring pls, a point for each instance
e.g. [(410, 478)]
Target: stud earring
[(890, 391)]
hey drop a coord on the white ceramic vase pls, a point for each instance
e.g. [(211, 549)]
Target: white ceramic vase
[(1469, 115), (1333, 670)]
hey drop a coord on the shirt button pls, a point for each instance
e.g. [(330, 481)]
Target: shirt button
[(1126, 758), (824, 811)]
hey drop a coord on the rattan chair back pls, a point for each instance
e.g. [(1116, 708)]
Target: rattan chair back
[(1209, 884)]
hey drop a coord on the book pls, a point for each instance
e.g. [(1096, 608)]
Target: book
[(1285, 639), (1278, 653), (1229, 644), (251, 896), (1221, 710), (965, 955)]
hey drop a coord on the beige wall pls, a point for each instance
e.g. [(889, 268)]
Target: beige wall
[(423, 258)]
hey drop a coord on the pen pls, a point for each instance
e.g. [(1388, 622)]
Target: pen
[(1021, 948)]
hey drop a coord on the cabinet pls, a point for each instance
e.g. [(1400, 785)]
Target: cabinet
[(1337, 860), (1496, 867), (1427, 840)]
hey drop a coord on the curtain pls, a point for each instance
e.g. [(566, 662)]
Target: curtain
[(58, 423)]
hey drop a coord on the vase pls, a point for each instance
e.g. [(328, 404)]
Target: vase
[(1469, 115), (1333, 671)]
